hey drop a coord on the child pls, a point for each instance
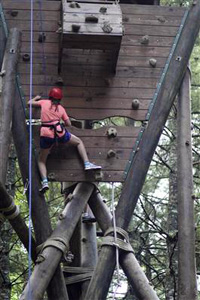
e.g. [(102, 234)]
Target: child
[(52, 112)]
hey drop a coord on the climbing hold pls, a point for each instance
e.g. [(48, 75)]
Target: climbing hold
[(178, 58), (103, 10), (3, 73), (51, 176), (153, 62), (75, 27), (41, 37), (40, 258), (161, 19), (74, 5), (107, 28), (91, 19), (14, 13), (26, 57), (111, 153), (59, 81), (144, 40), (135, 104), (112, 132), (98, 175), (68, 257)]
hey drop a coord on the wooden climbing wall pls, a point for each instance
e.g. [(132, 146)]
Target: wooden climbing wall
[(92, 91)]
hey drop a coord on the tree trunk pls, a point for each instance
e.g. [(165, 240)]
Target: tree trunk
[(187, 288), (9, 69)]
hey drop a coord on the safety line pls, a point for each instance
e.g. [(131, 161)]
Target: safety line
[(30, 151), (115, 241), (155, 97)]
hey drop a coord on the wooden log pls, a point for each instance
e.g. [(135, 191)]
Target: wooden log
[(128, 262), (7, 93), (44, 271), (187, 286), (40, 215), (139, 167), (17, 222), (89, 251)]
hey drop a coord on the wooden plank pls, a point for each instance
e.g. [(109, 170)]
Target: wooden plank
[(37, 15), (79, 176), (26, 5), (37, 25), (94, 114), (124, 93), (151, 20), (93, 81), (151, 30), (80, 18), (152, 10), (93, 29), (92, 8), (134, 51)]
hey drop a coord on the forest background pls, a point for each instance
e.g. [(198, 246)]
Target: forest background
[(153, 229)]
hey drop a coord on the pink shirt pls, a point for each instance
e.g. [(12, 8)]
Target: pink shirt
[(51, 114)]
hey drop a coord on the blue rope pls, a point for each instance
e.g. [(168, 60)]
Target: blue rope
[(30, 152), (43, 51)]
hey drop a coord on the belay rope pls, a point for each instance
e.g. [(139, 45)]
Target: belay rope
[(30, 151), (115, 241)]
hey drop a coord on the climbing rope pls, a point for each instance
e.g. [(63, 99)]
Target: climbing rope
[(115, 240), (30, 150)]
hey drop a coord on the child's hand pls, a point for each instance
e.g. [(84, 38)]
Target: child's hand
[(38, 97)]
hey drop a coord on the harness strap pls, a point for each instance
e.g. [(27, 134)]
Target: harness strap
[(54, 127)]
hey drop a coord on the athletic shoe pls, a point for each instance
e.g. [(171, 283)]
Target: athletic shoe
[(90, 166), (45, 187)]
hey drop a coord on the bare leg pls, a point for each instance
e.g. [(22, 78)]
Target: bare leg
[(74, 140), (42, 162)]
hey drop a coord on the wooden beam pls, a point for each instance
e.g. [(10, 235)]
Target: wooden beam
[(44, 271), (139, 166), (128, 262), (187, 285), (7, 95), (40, 215)]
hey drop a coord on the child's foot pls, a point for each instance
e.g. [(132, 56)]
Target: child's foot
[(45, 186), (90, 166)]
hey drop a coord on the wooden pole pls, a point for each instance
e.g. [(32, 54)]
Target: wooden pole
[(89, 251), (132, 187), (187, 286), (16, 221), (44, 271), (128, 262), (7, 95), (40, 215)]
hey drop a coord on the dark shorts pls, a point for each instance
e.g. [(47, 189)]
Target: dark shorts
[(47, 142)]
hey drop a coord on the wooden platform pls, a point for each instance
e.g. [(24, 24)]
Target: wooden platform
[(91, 90)]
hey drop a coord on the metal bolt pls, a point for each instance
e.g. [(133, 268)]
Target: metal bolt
[(135, 104)]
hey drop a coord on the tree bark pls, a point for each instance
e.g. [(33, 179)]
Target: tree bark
[(187, 287), (44, 271), (132, 187), (7, 80)]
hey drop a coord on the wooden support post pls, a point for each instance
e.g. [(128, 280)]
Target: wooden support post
[(187, 286), (128, 262), (7, 95), (132, 187), (44, 271), (89, 251), (16, 221), (40, 215)]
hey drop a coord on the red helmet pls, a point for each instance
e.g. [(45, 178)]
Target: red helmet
[(56, 93)]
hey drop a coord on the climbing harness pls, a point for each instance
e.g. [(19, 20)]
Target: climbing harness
[(54, 127), (154, 99)]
